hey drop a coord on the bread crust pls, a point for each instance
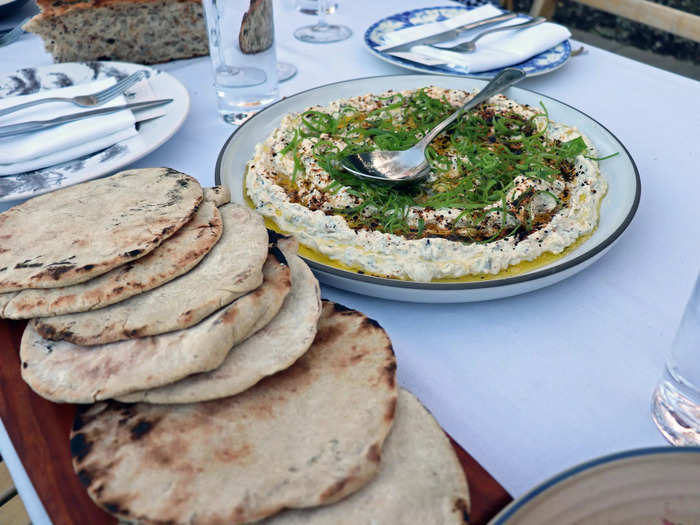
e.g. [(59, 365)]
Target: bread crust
[(51, 8)]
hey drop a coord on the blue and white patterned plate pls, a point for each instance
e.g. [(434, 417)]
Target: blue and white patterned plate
[(545, 62), (151, 134)]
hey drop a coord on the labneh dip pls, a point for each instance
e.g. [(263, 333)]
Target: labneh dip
[(506, 185)]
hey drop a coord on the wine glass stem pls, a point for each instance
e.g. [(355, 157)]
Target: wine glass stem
[(322, 5)]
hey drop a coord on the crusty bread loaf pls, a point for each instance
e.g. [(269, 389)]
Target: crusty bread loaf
[(142, 31)]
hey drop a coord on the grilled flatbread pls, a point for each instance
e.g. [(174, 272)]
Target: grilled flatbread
[(77, 233), (420, 480), (230, 269), (307, 436), (176, 256), (64, 372), (219, 195), (275, 347)]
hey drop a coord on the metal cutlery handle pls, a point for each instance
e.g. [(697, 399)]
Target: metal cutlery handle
[(87, 100), (36, 125), (504, 79), (446, 35), (23, 127), (530, 23), (485, 22), (26, 105)]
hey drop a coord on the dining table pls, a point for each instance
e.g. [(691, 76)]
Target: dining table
[(531, 384)]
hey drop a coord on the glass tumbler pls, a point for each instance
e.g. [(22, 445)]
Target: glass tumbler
[(675, 405), (242, 50)]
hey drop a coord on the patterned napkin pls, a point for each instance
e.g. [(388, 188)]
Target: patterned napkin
[(493, 51)]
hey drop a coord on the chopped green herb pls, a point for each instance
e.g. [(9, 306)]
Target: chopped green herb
[(474, 164)]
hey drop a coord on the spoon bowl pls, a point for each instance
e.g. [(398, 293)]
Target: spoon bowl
[(410, 166)]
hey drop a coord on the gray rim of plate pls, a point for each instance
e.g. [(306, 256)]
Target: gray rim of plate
[(452, 71), (519, 503), (397, 283)]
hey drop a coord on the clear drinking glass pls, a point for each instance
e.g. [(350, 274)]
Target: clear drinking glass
[(322, 32), (675, 406), (242, 49)]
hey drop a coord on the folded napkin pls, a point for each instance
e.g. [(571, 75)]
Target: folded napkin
[(31, 151), (493, 51)]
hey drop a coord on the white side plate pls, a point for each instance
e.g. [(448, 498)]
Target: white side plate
[(152, 134), (540, 64)]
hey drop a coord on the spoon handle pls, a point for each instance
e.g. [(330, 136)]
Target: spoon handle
[(504, 79)]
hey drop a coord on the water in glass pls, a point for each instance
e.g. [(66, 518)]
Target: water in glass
[(243, 57), (676, 401)]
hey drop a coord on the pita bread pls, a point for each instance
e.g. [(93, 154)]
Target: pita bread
[(229, 270), (275, 347), (77, 233), (307, 436), (179, 254), (420, 480), (5, 299), (64, 372), (219, 195)]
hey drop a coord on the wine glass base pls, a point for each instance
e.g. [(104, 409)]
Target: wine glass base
[(310, 7), (285, 71), (239, 77), (322, 34)]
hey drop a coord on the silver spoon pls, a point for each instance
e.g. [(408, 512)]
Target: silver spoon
[(409, 166)]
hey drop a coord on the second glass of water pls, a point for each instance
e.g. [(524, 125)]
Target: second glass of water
[(675, 406), (242, 49)]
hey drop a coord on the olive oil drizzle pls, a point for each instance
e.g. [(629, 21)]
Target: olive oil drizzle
[(512, 271)]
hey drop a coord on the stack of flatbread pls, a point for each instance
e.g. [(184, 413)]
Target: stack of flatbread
[(218, 388)]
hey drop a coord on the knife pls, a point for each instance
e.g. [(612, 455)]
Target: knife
[(36, 125), (419, 59), (446, 35)]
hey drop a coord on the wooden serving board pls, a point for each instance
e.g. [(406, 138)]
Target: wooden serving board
[(39, 432)]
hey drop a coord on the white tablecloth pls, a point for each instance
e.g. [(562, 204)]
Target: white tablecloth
[(532, 384)]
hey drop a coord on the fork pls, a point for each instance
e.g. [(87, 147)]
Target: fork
[(86, 101), (13, 34), (470, 46)]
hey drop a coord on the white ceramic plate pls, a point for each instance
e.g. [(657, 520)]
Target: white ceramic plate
[(651, 486), (152, 134), (545, 62), (617, 209)]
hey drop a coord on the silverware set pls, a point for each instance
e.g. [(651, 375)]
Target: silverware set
[(85, 101), (470, 45), (403, 50), (37, 125)]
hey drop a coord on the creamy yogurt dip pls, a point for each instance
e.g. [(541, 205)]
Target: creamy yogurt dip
[(532, 206)]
